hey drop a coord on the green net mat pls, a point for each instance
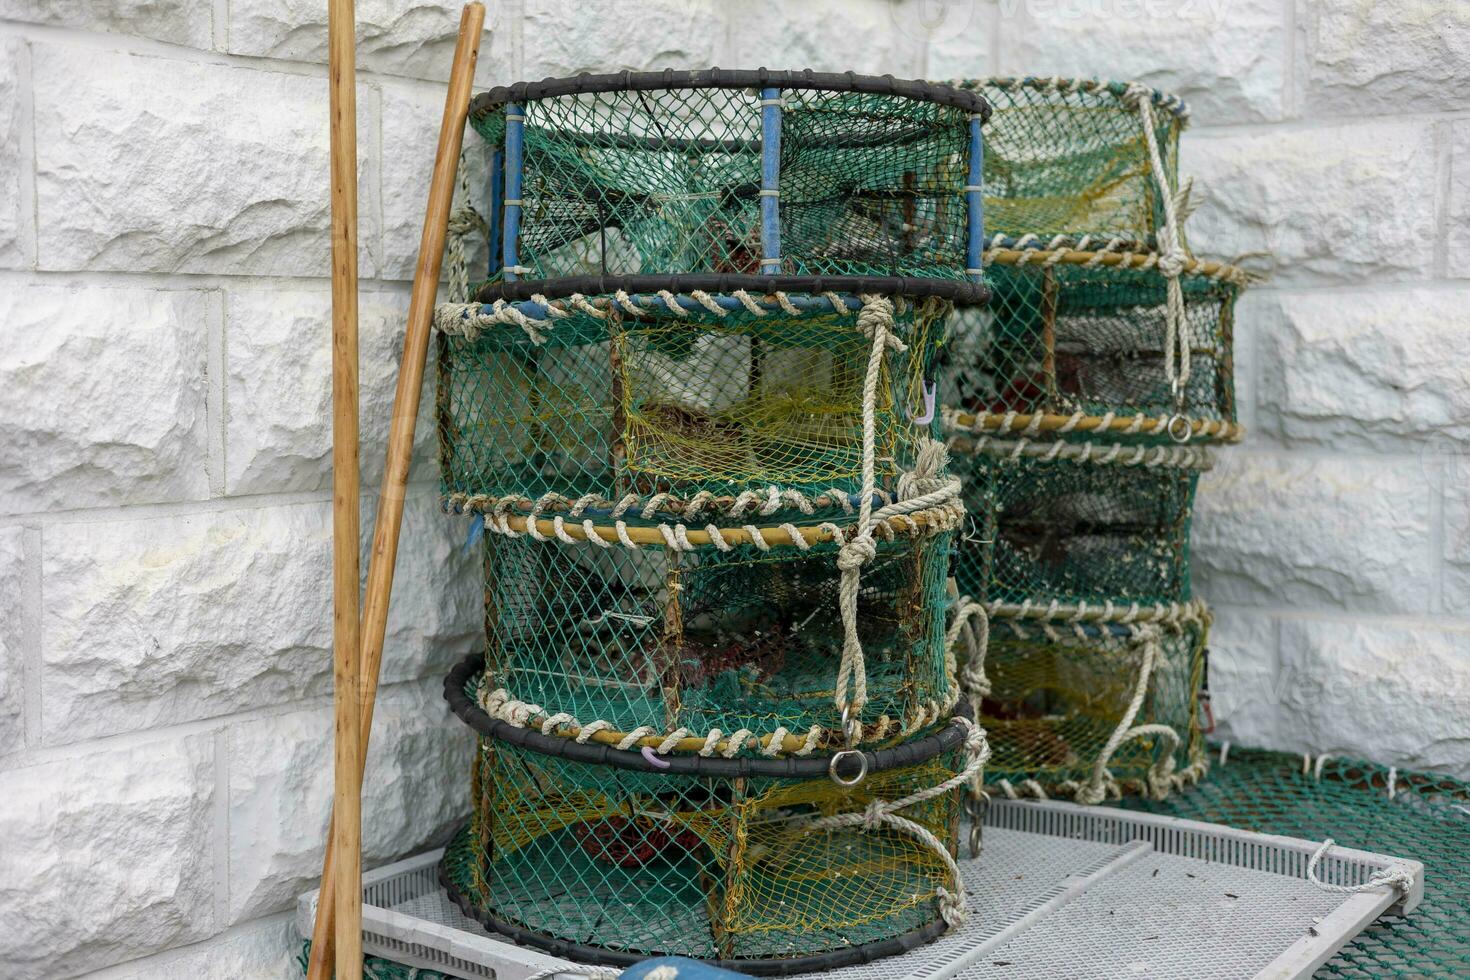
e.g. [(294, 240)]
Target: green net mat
[(1075, 521), (1427, 820), (599, 400), (1064, 713), (1064, 339), (665, 180), (1068, 157), (641, 863), (655, 640)]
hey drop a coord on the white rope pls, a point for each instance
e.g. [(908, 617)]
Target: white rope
[(880, 812), (1172, 257), (1096, 789), (500, 704), (971, 624), (1099, 453), (1395, 876), (582, 970), (874, 319)]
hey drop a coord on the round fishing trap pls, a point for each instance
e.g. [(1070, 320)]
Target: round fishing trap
[(693, 411), (1075, 521), (631, 402), (767, 866), (802, 181), (1092, 709), (1076, 158)]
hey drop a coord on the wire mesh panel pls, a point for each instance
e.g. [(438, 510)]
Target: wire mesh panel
[(1091, 710), (1069, 157), (613, 865), (732, 173), (742, 640), (1063, 340), (1076, 521), (677, 397)]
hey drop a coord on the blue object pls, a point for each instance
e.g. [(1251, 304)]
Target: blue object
[(497, 197), (685, 969), (770, 180), (477, 530), (975, 197), (514, 159)]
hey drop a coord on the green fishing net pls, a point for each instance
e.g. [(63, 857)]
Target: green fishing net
[(666, 399), (634, 864), (1068, 157), (641, 175), (740, 640), (1060, 339), (1075, 521), (1087, 711), (1427, 819)]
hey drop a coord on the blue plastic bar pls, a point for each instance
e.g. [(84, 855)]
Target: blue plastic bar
[(514, 159), (770, 181), (653, 302), (493, 215), (975, 197)]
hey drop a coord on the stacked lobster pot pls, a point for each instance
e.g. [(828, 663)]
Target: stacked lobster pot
[(1081, 406), (693, 410)]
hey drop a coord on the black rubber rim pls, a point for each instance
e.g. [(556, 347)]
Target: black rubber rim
[(920, 750), (646, 81), (773, 967), (955, 290)]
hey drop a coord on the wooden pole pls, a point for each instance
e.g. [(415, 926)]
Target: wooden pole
[(346, 542), (400, 454)]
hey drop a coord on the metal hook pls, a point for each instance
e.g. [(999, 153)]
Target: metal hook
[(931, 388)]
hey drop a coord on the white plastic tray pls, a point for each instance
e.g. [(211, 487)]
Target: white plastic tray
[(1059, 890)]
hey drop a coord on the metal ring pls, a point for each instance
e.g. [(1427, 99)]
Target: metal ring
[(862, 768), (979, 806), (1179, 429)]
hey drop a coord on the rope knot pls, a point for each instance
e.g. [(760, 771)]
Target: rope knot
[(856, 553), (1172, 262), (873, 815)]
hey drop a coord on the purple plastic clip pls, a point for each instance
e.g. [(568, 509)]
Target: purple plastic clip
[(654, 760), (930, 389)]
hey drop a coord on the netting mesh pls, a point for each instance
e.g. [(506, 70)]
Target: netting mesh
[(1427, 818), (715, 640), (1074, 522), (645, 863), (1060, 701), (606, 402), (1059, 339), (668, 181), (1069, 158)]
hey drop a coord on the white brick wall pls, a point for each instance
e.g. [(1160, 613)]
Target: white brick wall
[(164, 531)]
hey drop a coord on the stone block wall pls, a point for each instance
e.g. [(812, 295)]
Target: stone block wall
[(164, 432)]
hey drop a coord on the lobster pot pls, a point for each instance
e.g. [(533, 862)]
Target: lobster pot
[(1059, 693), (1075, 522), (732, 174), (676, 396), (652, 641), (1090, 348), (1068, 157), (611, 864)]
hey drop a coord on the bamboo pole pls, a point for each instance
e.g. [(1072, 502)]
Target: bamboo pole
[(395, 473), (346, 836)]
